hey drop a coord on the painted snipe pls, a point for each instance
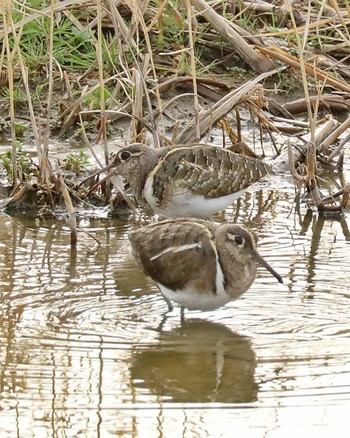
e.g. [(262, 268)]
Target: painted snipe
[(191, 181), (198, 264)]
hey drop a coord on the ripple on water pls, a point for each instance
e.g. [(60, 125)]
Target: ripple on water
[(85, 332)]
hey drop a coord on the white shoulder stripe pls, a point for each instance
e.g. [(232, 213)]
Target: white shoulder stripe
[(175, 249), (220, 279)]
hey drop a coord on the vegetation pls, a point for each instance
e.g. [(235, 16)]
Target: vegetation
[(81, 68)]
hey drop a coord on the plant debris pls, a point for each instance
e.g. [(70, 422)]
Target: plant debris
[(170, 74)]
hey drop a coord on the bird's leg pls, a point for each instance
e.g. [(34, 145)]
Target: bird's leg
[(161, 325), (182, 314), (170, 306)]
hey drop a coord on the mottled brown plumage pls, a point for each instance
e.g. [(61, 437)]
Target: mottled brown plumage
[(196, 180), (198, 264)]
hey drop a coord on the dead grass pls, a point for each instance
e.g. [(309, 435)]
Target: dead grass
[(98, 62)]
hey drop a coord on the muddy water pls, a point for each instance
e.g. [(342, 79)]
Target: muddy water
[(86, 351)]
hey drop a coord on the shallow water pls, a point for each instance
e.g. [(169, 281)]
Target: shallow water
[(86, 351)]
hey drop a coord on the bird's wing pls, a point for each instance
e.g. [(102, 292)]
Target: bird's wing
[(176, 254), (209, 171)]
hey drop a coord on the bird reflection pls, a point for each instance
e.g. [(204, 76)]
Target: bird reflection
[(199, 361)]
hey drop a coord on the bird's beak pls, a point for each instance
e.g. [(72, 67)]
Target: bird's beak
[(264, 263), (104, 169)]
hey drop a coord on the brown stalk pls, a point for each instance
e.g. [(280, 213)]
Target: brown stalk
[(138, 9), (72, 221), (60, 7), (325, 129), (44, 165), (208, 118), (311, 70), (8, 24), (291, 161), (345, 198), (314, 25), (137, 104), (311, 181), (338, 149), (345, 24), (239, 44), (102, 125), (191, 19), (324, 101), (334, 135)]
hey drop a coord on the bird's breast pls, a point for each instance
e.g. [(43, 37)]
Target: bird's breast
[(180, 201), (193, 300)]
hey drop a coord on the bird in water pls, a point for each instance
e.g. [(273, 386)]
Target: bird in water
[(198, 264), (187, 181)]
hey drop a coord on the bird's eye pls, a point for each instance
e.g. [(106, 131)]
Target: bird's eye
[(125, 155), (239, 240)]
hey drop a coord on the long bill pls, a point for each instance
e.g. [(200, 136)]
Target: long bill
[(98, 172), (106, 178), (264, 263)]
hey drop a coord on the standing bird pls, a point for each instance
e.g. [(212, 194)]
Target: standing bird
[(198, 264), (196, 181)]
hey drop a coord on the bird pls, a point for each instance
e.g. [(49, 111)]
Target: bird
[(188, 181), (198, 264)]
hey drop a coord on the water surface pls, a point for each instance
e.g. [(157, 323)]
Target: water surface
[(85, 349)]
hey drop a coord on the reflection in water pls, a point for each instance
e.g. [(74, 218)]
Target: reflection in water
[(198, 362), (322, 228)]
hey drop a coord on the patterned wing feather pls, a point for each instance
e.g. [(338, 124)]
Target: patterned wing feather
[(207, 171), (176, 254)]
